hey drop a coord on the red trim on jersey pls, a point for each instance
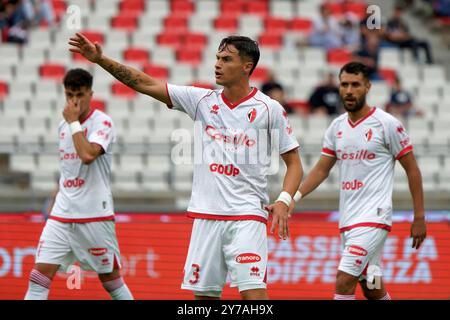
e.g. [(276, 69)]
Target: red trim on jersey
[(82, 220), (329, 152), (367, 224), (87, 117), (170, 106), (265, 276), (234, 105), (371, 112), (207, 216), (406, 150)]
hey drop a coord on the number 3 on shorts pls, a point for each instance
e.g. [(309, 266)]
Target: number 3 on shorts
[(195, 273)]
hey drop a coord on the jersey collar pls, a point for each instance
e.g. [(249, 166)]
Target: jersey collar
[(234, 105), (353, 125), (87, 117)]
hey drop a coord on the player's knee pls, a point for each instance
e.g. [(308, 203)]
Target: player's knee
[(207, 295), (254, 294), (345, 283), (113, 275)]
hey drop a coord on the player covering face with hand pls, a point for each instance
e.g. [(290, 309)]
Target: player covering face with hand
[(81, 223), (229, 194), (365, 142)]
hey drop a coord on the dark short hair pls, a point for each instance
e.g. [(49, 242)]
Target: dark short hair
[(267, 87), (77, 78), (246, 47), (356, 68)]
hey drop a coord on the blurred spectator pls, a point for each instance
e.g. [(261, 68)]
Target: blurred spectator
[(326, 31), (397, 32), (351, 35), (441, 8), (38, 11), (400, 103), (276, 91), (365, 31), (325, 99), (13, 22), (369, 55)]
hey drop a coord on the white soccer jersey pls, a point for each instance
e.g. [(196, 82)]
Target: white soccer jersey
[(84, 190), (230, 170), (366, 152)]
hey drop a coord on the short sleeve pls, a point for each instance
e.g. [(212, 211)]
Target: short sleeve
[(329, 142), (398, 140), (279, 123), (102, 133), (185, 98)]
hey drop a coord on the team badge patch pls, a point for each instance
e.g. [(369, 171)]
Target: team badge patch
[(251, 115), (368, 135)]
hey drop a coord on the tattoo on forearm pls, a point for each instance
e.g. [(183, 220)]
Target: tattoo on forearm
[(124, 75)]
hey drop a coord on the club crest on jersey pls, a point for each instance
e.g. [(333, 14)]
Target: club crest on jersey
[(215, 109), (339, 135), (251, 115), (368, 135)]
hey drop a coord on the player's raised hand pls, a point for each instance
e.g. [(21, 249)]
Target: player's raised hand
[(280, 218), (72, 111), (82, 45), (418, 232)]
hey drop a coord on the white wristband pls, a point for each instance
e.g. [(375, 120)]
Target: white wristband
[(285, 198), (297, 196), (75, 127)]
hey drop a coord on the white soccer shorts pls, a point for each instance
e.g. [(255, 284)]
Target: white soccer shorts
[(362, 247), (94, 245), (221, 247)]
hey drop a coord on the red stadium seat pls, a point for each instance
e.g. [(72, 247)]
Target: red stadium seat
[(339, 56), (52, 71), (3, 89), (97, 104), (301, 25), (127, 23), (173, 40), (94, 36), (176, 24), (260, 74), (132, 7), (276, 25), (271, 40), (203, 85), (336, 8), (59, 8), (389, 75), (233, 8), (137, 55), (182, 8), (301, 105), (227, 23), (121, 90), (155, 71), (257, 7), (197, 40), (357, 8), (445, 21), (193, 57)]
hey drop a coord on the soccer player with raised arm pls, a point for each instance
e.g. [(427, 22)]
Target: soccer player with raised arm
[(81, 223), (365, 142), (229, 195)]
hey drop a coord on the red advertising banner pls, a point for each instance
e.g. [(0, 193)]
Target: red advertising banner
[(154, 248)]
